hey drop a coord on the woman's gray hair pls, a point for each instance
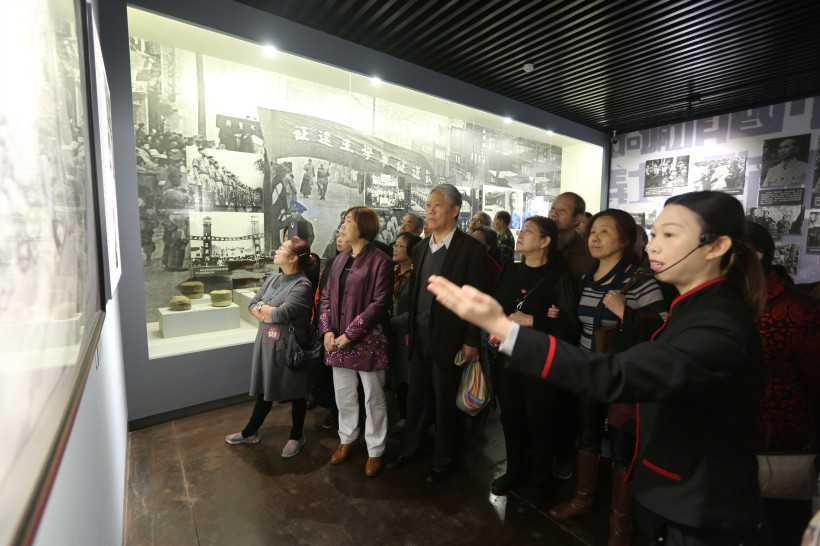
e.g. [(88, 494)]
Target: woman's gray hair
[(450, 193)]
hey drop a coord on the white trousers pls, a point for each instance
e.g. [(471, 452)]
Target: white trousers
[(346, 383)]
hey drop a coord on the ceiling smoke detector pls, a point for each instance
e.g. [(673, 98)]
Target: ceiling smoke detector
[(528, 67)]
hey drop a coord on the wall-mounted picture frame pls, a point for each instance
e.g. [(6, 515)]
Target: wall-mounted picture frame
[(102, 154), (52, 297)]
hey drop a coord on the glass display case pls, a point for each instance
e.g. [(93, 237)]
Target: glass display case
[(236, 141)]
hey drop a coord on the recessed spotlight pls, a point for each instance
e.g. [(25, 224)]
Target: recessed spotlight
[(375, 80), (508, 119), (528, 67), (270, 50), (550, 132)]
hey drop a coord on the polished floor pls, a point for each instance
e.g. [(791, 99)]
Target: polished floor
[(186, 487)]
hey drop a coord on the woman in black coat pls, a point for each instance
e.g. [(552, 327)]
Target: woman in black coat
[(527, 290), (399, 371), (698, 382)]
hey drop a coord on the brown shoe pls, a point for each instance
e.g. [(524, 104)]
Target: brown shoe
[(581, 502), (373, 466), (341, 454)]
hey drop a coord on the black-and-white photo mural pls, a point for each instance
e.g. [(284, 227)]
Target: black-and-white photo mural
[(813, 233), (815, 190), (726, 173), (762, 156), (229, 155), (663, 176)]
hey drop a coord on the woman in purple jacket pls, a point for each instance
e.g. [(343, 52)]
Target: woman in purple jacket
[(354, 308)]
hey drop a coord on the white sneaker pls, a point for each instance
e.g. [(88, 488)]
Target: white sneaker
[(236, 438), (292, 448)]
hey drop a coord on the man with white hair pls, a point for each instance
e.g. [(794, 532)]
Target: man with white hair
[(437, 335)]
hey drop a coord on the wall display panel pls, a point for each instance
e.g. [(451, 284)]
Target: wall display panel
[(102, 139), (234, 145), (766, 157), (50, 299)]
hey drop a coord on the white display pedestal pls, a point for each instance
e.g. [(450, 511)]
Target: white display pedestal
[(197, 320), (243, 298)]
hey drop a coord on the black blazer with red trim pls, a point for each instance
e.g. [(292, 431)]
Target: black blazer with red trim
[(698, 384)]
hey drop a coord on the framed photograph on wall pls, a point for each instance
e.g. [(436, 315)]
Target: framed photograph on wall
[(102, 154), (51, 296), (665, 176), (785, 162)]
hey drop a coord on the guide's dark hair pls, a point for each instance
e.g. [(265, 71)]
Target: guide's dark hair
[(761, 240), (720, 215), (504, 216)]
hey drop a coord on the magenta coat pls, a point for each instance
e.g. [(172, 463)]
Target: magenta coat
[(368, 296)]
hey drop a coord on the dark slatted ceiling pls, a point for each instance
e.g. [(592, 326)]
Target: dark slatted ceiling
[(610, 64)]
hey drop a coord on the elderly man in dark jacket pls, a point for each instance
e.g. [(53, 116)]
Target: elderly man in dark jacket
[(436, 334)]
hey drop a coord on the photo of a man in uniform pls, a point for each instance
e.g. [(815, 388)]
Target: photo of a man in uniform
[(787, 161)]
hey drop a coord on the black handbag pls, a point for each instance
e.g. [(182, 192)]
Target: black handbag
[(313, 354), (289, 351)]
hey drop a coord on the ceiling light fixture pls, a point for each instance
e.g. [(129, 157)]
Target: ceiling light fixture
[(270, 50), (528, 67), (375, 80), (508, 119), (550, 132)]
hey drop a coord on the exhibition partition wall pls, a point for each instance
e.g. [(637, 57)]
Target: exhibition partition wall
[(60, 263), (231, 140), (766, 157)]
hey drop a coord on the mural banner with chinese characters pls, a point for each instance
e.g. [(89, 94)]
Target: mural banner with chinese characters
[(295, 135)]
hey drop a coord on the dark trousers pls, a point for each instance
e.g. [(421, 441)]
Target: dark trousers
[(622, 442), (591, 417), (432, 397), (321, 387), (401, 394), (298, 410), (527, 416), (566, 428), (654, 529)]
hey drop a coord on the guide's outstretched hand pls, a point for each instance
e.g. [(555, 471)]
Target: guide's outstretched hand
[(472, 305)]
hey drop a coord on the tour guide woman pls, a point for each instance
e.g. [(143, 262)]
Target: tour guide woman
[(694, 475)]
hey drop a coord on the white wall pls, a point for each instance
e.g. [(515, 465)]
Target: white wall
[(581, 166), (86, 505)]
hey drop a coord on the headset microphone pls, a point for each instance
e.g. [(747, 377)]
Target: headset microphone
[(705, 239)]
